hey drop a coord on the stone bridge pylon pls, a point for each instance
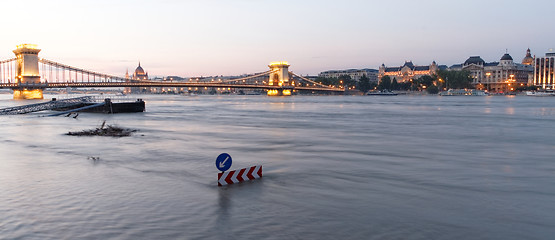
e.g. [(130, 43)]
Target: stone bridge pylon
[(27, 72)]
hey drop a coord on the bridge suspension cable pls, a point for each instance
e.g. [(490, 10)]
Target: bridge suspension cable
[(49, 64), (58, 75), (308, 80), (249, 77), (8, 70)]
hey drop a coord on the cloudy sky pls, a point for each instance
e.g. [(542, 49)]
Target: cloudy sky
[(231, 37)]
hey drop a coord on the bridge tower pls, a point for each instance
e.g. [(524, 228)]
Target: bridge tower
[(279, 77), (27, 70)]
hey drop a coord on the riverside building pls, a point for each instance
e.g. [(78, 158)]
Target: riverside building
[(502, 76), (139, 74), (355, 74), (408, 71), (544, 74)]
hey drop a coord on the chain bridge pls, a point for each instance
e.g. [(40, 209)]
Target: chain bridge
[(28, 75)]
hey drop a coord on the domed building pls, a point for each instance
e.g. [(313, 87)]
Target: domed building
[(502, 76), (477, 60), (140, 73), (528, 60)]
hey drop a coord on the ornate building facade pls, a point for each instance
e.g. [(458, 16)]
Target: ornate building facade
[(139, 74), (408, 71), (502, 76)]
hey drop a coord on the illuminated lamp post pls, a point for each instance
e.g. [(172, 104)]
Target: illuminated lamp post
[(509, 81), (488, 80)]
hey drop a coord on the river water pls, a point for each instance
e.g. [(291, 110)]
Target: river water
[(334, 167)]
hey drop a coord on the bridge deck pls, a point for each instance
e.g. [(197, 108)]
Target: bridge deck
[(159, 84)]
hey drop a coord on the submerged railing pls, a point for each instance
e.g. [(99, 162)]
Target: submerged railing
[(45, 105)]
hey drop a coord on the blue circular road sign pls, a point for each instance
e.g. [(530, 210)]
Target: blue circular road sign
[(223, 162)]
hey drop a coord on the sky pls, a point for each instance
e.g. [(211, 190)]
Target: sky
[(231, 37)]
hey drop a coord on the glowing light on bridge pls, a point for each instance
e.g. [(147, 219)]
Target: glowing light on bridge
[(27, 46), (273, 92), (28, 75), (27, 94), (279, 63)]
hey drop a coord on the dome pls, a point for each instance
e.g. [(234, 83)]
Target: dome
[(474, 60), (506, 57), (528, 60), (139, 70)]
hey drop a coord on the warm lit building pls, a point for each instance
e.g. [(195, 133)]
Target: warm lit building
[(355, 74), (408, 71), (544, 74), (502, 76), (528, 59), (139, 74)]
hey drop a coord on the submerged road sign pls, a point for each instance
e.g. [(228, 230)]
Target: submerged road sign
[(223, 162), (240, 175)]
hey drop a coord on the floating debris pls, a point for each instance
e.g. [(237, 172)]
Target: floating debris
[(104, 130)]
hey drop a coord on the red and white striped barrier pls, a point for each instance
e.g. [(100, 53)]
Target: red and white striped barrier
[(240, 175)]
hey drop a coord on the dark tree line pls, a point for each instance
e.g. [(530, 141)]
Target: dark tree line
[(443, 79), (345, 81), (453, 79)]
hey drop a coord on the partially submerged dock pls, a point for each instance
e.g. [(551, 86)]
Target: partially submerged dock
[(79, 104)]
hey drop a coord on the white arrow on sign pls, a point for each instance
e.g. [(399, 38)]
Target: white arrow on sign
[(222, 164), (234, 177), (221, 181)]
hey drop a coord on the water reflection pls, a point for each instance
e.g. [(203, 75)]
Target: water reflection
[(408, 166), (510, 111)]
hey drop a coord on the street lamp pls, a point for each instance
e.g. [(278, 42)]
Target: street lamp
[(488, 80), (509, 81), (440, 82)]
